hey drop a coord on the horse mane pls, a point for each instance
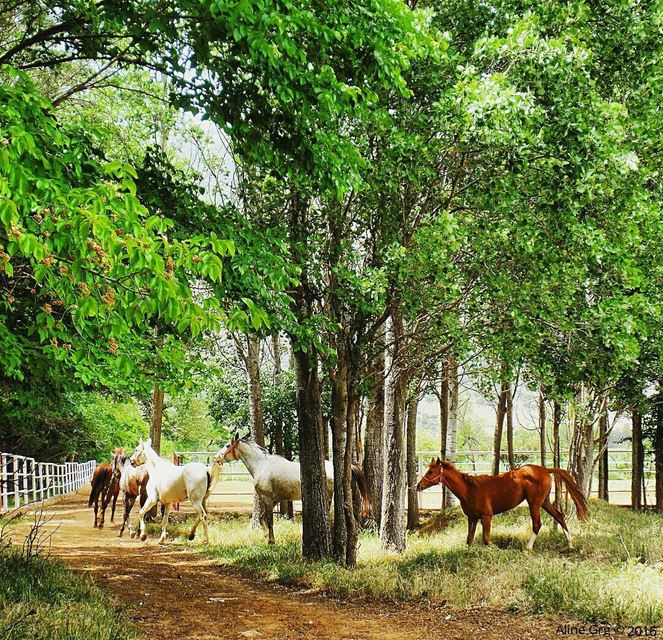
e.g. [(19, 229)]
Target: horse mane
[(251, 442), (467, 478)]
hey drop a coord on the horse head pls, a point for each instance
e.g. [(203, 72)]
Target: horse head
[(139, 456), (229, 452), (119, 460), (434, 475)]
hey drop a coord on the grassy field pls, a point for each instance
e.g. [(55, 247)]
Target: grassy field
[(615, 574), (40, 599)]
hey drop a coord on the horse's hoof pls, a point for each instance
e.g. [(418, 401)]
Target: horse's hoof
[(101, 526), (271, 541), (192, 536), (143, 537), (95, 525), (133, 534)]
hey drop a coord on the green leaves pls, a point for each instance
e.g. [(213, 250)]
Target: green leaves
[(86, 262)]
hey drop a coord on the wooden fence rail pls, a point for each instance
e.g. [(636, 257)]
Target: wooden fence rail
[(24, 480)]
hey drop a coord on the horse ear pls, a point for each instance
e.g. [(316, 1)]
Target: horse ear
[(236, 435), (148, 442), (432, 460), (439, 461)]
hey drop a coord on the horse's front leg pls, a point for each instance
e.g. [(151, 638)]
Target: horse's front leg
[(269, 519), (115, 495), (128, 506), (485, 525), (164, 523), (149, 503), (471, 529)]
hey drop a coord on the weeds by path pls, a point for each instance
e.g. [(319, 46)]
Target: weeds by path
[(41, 599)]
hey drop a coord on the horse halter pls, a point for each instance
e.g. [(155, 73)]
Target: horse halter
[(438, 479), (232, 449)]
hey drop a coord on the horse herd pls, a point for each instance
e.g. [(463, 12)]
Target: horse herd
[(157, 481)]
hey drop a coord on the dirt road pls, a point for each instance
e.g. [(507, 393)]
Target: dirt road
[(173, 593)]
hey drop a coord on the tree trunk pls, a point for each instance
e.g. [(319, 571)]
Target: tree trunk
[(499, 426), (316, 541), (279, 448), (157, 418), (542, 428), (339, 413), (444, 427), (256, 419), (557, 452), (603, 456), (658, 452), (581, 454), (348, 505), (638, 461), (374, 436), (412, 497), (452, 423), (392, 527), (509, 427)]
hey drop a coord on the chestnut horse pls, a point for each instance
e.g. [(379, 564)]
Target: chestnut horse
[(105, 487), (132, 481), (481, 497)]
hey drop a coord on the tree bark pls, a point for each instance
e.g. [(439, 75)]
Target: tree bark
[(637, 461), (339, 413), (157, 418), (499, 427), (509, 427), (452, 423), (392, 527), (658, 451), (251, 359), (279, 448), (603, 456), (316, 541), (557, 452), (444, 427), (348, 505), (542, 428), (581, 454), (412, 497), (374, 436)]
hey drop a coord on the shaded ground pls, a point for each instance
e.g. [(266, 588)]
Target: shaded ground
[(174, 593)]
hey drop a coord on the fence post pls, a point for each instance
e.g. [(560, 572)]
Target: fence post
[(33, 477), (5, 483)]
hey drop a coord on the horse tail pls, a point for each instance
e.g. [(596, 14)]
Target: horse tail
[(98, 484), (359, 479), (574, 491)]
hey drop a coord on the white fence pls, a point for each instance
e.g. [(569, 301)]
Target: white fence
[(24, 480), (236, 487)]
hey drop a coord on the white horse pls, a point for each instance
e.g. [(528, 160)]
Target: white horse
[(170, 483), (276, 478)]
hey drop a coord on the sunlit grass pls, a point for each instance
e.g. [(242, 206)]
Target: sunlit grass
[(615, 573)]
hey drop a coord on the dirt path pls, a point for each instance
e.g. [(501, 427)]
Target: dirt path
[(173, 593)]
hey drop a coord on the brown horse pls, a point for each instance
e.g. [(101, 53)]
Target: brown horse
[(133, 482), (481, 497), (105, 488)]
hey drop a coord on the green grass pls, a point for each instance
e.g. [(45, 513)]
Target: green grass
[(615, 574), (41, 599)]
